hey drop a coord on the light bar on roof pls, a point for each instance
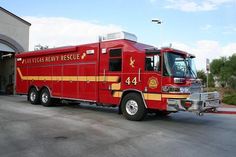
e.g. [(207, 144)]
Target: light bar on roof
[(119, 35)]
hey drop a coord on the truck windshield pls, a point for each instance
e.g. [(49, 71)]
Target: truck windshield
[(177, 65)]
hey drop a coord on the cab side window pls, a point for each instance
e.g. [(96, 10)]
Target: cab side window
[(152, 63), (149, 66), (115, 61)]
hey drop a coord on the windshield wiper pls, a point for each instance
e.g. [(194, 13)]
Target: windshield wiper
[(191, 70)]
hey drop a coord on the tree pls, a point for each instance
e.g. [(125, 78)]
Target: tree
[(201, 75), (231, 64), (216, 65), (211, 81), (223, 70), (216, 68)]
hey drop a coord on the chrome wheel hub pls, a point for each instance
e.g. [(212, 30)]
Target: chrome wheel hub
[(32, 96), (131, 107), (44, 98)]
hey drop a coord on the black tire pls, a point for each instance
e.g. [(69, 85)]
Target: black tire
[(33, 96), (133, 108), (45, 98)]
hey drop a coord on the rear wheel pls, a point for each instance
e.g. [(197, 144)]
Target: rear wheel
[(133, 107), (33, 96), (45, 98)]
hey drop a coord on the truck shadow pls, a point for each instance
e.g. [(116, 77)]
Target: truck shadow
[(178, 118), (181, 117), (185, 118), (88, 107)]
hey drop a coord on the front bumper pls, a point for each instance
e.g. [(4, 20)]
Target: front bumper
[(196, 102)]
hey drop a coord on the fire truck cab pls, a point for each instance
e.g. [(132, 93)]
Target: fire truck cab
[(116, 71)]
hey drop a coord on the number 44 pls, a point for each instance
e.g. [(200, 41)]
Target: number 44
[(128, 81)]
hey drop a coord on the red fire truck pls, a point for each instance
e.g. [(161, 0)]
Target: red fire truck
[(116, 71)]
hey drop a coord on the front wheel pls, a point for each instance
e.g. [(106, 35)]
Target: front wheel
[(45, 98), (133, 107)]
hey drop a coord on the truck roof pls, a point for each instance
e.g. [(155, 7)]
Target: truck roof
[(135, 45), (167, 49), (47, 51), (138, 46)]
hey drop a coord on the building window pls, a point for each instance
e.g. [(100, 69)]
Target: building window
[(115, 61)]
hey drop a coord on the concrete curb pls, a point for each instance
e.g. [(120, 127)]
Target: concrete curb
[(223, 110)]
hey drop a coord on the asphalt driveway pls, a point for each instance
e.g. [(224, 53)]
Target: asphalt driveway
[(81, 130)]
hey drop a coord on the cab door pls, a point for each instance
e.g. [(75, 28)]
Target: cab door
[(152, 77), (152, 73)]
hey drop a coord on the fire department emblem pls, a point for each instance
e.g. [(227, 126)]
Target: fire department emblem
[(152, 82), (132, 61)]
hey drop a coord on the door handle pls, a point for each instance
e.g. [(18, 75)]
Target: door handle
[(139, 75)]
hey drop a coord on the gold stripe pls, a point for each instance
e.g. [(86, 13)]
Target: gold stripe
[(90, 78), (108, 78), (115, 86), (149, 96), (175, 96), (70, 78), (56, 78), (44, 78), (117, 94), (156, 97), (21, 76)]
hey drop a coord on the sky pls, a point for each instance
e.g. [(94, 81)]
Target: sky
[(205, 28)]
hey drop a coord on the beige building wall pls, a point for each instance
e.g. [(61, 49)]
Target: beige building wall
[(14, 38), (14, 28)]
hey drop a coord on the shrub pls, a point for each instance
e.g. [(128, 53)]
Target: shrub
[(230, 99)]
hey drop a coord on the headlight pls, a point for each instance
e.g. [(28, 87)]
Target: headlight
[(170, 89), (165, 88), (184, 90), (175, 89)]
